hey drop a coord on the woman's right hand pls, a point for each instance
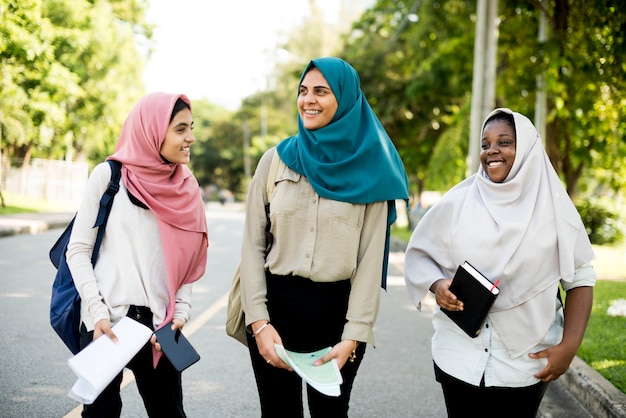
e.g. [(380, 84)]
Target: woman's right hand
[(101, 327), (265, 340), (444, 298)]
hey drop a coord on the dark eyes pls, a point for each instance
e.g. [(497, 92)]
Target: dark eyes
[(501, 143), (319, 91), (181, 129)]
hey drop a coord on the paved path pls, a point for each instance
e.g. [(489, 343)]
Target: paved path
[(580, 393)]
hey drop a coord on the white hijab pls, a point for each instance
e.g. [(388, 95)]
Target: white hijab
[(524, 231)]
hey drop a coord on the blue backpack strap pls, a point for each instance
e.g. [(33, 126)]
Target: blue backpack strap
[(106, 202)]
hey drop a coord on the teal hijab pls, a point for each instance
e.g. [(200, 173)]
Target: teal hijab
[(352, 159)]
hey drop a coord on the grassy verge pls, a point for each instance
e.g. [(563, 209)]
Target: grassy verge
[(604, 345), (21, 204)]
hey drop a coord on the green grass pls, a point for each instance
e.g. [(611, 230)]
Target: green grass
[(9, 210), (604, 344), (401, 233), (21, 204)]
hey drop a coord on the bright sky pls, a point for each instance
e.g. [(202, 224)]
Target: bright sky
[(218, 49)]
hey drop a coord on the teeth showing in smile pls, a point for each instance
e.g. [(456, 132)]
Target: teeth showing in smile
[(312, 112), (495, 164), (185, 149)]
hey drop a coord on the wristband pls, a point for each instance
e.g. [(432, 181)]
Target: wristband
[(258, 331)]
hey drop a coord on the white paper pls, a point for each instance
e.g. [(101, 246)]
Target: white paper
[(325, 379), (102, 360)]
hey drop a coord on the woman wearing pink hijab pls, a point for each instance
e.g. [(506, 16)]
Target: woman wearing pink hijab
[(154, 248)]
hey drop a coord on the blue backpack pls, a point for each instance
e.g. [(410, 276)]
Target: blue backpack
[(65, 300)]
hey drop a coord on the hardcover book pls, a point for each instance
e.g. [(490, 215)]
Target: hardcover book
[(477, 294)]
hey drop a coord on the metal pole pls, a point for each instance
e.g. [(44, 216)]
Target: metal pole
[(477, 87), (246, 149), (484, 75), (541, 104)]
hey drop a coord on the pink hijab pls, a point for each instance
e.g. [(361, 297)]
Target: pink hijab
[(170, 191)]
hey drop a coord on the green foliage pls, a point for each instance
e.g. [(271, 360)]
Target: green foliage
[(403, 234), (584, 77), (226, 140), (604, 345), (64, 90), (415, 63), (602, 224)]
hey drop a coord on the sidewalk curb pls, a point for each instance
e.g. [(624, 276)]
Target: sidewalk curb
[(595, 392), (32, 223)]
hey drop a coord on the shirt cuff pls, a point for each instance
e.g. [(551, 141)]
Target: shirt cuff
[(584, 275), (358, 331)]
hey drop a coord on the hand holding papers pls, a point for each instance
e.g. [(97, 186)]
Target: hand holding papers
[(325, 378), (102, 360)]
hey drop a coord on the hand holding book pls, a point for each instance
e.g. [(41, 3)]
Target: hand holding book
[(477, 294)]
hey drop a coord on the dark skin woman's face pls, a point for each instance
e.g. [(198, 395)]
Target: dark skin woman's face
[(498, 150)]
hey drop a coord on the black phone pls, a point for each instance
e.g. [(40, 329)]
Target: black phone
[(176, 347)]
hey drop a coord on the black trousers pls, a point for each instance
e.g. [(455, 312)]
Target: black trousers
[(308, 316), (465, 400), (160, 388)]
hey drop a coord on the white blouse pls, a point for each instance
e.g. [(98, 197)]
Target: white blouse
[(131, 266)]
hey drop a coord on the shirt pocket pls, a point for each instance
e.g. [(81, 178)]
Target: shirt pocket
[(340, 227), (286, 193), (350, 214)]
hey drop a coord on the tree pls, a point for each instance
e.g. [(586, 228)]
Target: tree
[(582, 62), (415, 63), (64, 89), (26, 65), (267, 116)]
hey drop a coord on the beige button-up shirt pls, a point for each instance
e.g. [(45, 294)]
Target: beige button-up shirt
[(317, 238)]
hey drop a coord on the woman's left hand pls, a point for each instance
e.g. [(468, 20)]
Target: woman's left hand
[(340, 352), (177, 323), (560, 356), (559, 359)]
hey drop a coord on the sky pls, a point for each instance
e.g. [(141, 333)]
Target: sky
[(219, 50)]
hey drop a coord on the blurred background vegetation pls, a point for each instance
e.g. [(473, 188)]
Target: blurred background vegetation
[(65, 90)]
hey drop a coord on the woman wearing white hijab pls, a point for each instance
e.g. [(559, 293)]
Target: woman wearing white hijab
[(514, 222)]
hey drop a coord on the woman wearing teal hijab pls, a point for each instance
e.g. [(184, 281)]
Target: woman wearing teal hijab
[(330, 213)]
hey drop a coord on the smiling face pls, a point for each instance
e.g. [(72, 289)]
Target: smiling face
[(317, 104), (178, 139), (498, 149)]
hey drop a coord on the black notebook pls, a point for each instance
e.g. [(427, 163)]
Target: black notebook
[(176, 347), (477, 294)]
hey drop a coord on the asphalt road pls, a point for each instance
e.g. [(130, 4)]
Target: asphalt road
[(395, 380)]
